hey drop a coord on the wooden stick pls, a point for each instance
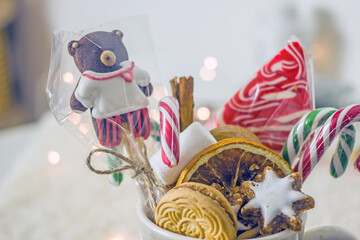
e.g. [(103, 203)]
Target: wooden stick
[(126, 141), (151, 185), (183, 90)]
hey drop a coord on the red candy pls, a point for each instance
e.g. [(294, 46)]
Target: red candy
[(170, 131), (357, 163), (274, 100)]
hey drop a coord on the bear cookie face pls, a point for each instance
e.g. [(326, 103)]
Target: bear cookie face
[(99, 51)]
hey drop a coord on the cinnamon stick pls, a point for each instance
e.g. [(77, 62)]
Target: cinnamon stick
[(174, 87), (182, 90)]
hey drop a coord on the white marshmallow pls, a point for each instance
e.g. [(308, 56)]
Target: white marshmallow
[(193, 140)]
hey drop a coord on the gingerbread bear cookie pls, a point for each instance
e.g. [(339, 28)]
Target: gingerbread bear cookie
[(112, 87), (275, 203)]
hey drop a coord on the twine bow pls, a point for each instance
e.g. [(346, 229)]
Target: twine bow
[(138, 167)]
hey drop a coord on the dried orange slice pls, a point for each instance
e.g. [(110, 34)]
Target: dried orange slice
[(231, 161)]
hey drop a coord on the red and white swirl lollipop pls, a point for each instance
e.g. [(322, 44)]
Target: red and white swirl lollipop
[(169, 131), (275, 99)]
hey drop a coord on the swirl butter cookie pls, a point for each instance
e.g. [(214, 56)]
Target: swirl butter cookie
[(196, 210)]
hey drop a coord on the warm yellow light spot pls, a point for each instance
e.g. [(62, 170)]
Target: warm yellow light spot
[(53, 157), (68, 77), (203, 113), (317, 51)]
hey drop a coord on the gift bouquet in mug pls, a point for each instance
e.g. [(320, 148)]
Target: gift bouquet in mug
[(239, 180)]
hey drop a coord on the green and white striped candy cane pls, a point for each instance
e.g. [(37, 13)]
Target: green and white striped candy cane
[(303, 130), (115, 179), (342, 155)]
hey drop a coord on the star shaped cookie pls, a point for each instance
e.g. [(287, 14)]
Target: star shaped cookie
[(275, 203)]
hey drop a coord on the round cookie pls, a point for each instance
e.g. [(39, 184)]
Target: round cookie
[(196, 210), (232, 131)]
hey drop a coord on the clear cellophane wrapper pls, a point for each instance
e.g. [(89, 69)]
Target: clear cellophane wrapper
[(279, 94), (100, 87)]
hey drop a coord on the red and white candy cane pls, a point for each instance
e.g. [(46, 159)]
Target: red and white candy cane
[(169, 131), (357, 163), (331, 128)]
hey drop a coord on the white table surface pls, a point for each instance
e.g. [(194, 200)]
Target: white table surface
[(39, 200)]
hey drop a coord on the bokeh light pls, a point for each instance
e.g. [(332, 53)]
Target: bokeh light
[(68, 77), (159, 92), (207, 74), (118, 238), (203, 113), (53, 157), (84, 128), (317, 51), (210, 63)]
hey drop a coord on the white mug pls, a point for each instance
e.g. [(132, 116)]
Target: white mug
[(329, 233), (150, 231)]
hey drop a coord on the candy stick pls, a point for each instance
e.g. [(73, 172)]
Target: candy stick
[(138, 123), (302, 130), (115, 179), (332, 127), (306, 126), (155, 130), (343, 152), (357, 163), (169, 130)]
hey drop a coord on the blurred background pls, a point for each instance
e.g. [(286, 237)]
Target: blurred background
[(219, 44), (45, 186)]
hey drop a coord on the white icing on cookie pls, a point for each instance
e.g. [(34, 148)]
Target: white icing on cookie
[(113, 93), (274, 196)]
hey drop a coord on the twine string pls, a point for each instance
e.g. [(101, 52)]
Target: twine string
[(139, 168)]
